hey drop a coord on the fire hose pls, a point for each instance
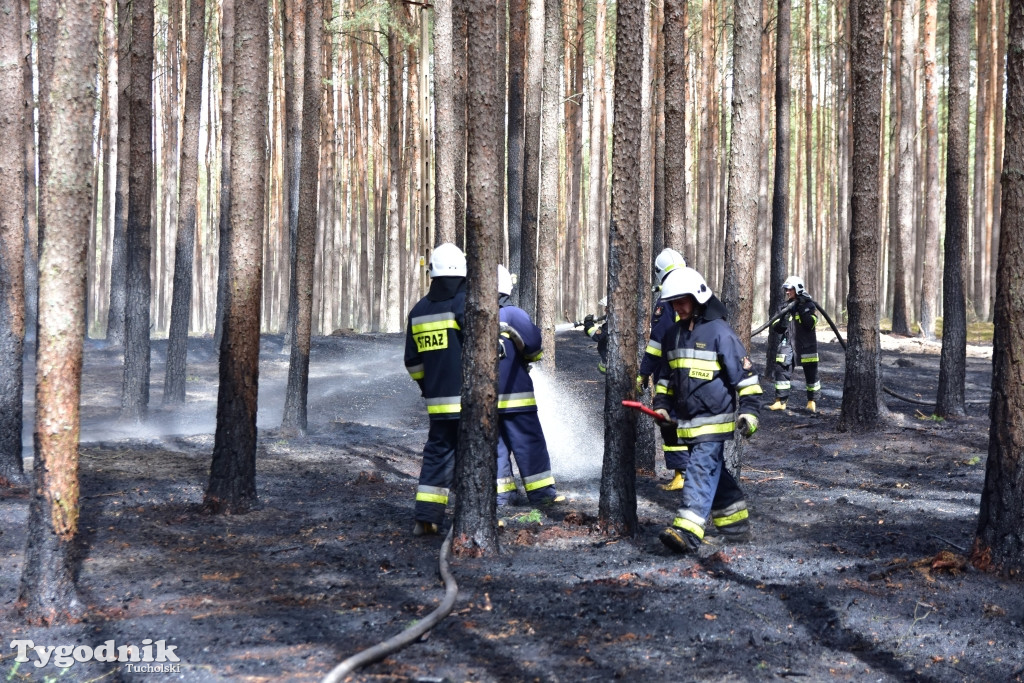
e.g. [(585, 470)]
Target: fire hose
[(842, 343), (409, 635)]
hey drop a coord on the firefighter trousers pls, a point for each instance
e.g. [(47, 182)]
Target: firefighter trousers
[(520, 434), (437, 472), (785, 362), (710, 491)]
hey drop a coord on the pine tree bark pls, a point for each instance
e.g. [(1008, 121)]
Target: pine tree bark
[(12, 244), (232, 485), (460, 67), (644, 434), (392, 311), (953, 366), (518, 14), (119, 247), (1000, 537), (227, 88), (744, 162), (982, 141), (617, 505), (905, 162), (31, 202), (135, 385), (302, 276), (475, 523), (531, 159), (596, 229), (185, 242), (780, 190), (294, 73), (548, 228), (675, 125), (67, 97), (930, 254), (862, 406)]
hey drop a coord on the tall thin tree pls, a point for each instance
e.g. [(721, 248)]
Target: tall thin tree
[(302, 276), (780, 188), (531, 158), (744, 162), (905, 167), (68, 33), (475, 525), (135, 385), (518, 14), (227, 88), (185, 241), (294, 73), (675, 124), (617, 505), (547, 226), (12, 244), (119, 245), (445, 124), (930, 255), (862, 405), (953, 366), (1000, 536), (232, 485)]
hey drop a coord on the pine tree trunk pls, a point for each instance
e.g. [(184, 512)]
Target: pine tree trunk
[(29, 167), (1000, 536), (67, 104), (905, 161), (391, 320), (953, 365), (444, 136), (302, 278), (295, 69), (862, 406), (475, 524), (708, 141), (982, 140), (531, 159), (232, 485), (119, 248), (547, 230), (518, 14), (780, 191), (227, 42), (930, 255), (12, 244), (596, 229), (744, 161), (675, 126), (460, 66), (135, 387), (617, 505), (184, 248)]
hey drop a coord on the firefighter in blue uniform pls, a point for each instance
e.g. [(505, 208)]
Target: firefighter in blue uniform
[(705, 377), (599, 333), (519, 428), (798, 337), (433, 357), (662, 319)]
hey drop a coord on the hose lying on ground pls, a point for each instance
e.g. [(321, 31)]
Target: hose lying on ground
[(409, 635)]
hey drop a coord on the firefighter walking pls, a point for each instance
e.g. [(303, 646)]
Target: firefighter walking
[(433, 357), (798, 338), (705, 378)]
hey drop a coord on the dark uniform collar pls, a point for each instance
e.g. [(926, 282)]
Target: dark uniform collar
[(444, 288), (504, 300)]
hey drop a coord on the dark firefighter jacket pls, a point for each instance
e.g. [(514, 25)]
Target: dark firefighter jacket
[(798, 326), (662, 320), (433, 346), (520, 340), (703, 380)]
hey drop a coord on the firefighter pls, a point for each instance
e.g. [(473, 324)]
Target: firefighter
[(705, 377), (798, 337), (599, 333), (519, 429), (433, 357), (662, 319)]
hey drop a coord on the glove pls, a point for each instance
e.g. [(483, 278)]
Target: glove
[(746, 424), (641, 383), (665, 419)]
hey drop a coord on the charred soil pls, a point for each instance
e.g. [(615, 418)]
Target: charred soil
[(857, 569)]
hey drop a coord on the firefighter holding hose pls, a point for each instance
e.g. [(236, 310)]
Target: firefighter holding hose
[(798, 337)]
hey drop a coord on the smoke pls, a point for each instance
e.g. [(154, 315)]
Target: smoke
[(574, 431)]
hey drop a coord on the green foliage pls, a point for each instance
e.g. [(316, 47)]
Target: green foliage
[(374, 15)]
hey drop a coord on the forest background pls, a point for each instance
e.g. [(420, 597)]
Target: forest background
[(377, 205)]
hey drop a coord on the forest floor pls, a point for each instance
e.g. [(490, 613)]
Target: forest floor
[(857, 570)]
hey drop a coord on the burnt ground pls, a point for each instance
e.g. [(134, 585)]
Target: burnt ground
[(857, 570)]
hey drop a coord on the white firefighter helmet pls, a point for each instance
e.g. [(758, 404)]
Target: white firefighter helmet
[(447, 260), (603, 301), (794, 282), (505, 281), (667, 261), (682, 281)]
